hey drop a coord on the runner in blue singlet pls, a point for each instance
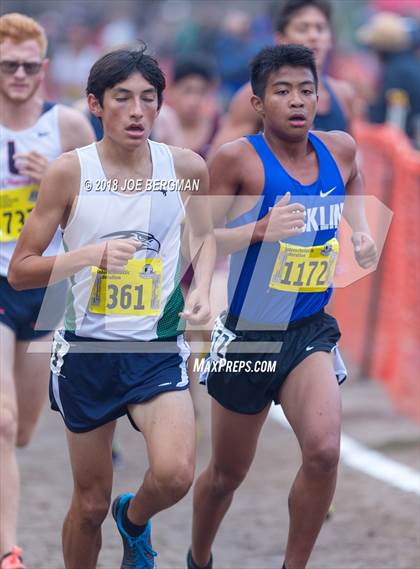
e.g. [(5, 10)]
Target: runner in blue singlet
[(277, 201)]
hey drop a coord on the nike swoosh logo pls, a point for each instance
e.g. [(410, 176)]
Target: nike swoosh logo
[(325, 194), (309, 348)]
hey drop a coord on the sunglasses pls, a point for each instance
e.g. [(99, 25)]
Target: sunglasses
[(10, 67)]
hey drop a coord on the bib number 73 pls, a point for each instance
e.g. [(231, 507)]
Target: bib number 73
[(15, 206)]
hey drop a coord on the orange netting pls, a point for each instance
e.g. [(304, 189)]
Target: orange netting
[(379, 314)]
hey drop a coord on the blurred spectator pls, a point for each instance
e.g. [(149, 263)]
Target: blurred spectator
[(167, 128), (72, 62), (192, 98), (188, 38), (400, 6), (194, 29), (234, 49), (398, 94), (120, 30)]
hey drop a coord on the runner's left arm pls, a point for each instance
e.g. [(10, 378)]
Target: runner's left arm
[(354, 212)]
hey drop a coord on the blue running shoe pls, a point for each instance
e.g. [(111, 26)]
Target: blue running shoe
[(138, 552)]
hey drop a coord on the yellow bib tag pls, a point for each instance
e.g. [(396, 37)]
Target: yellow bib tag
[(135, 292), (305, 269), (15, 206)]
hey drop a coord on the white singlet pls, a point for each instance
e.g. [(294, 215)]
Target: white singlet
[(18, 193), (143, 302)]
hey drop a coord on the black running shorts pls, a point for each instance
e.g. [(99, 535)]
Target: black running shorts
[(238, 385)]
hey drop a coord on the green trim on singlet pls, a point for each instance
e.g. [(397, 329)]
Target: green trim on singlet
[(170, 324), (69, 312)]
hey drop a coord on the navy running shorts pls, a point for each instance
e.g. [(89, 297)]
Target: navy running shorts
[(248, 381), (20, 309), (92, 383)]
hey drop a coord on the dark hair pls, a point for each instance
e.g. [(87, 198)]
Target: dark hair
[(271, 59), (290, 7), (194, 65), (118, 65)]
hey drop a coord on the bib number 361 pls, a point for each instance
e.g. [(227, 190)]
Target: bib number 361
[(134, 292)]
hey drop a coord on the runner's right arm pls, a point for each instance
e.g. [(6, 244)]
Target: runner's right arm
[(28, 268), (226, 179)]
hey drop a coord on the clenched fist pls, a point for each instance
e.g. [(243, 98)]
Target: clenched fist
[(197, 308), (31, 164), (115, 254), (284, 220), (364, 249)]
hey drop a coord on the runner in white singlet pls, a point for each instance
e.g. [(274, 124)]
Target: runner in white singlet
[(122, 351)]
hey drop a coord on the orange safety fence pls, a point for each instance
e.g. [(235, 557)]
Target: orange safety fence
[(379, 314)]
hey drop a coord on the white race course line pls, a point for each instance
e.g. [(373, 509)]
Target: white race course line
[(369, 461)]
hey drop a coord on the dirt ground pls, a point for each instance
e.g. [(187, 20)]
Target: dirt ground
[(375, 526)]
